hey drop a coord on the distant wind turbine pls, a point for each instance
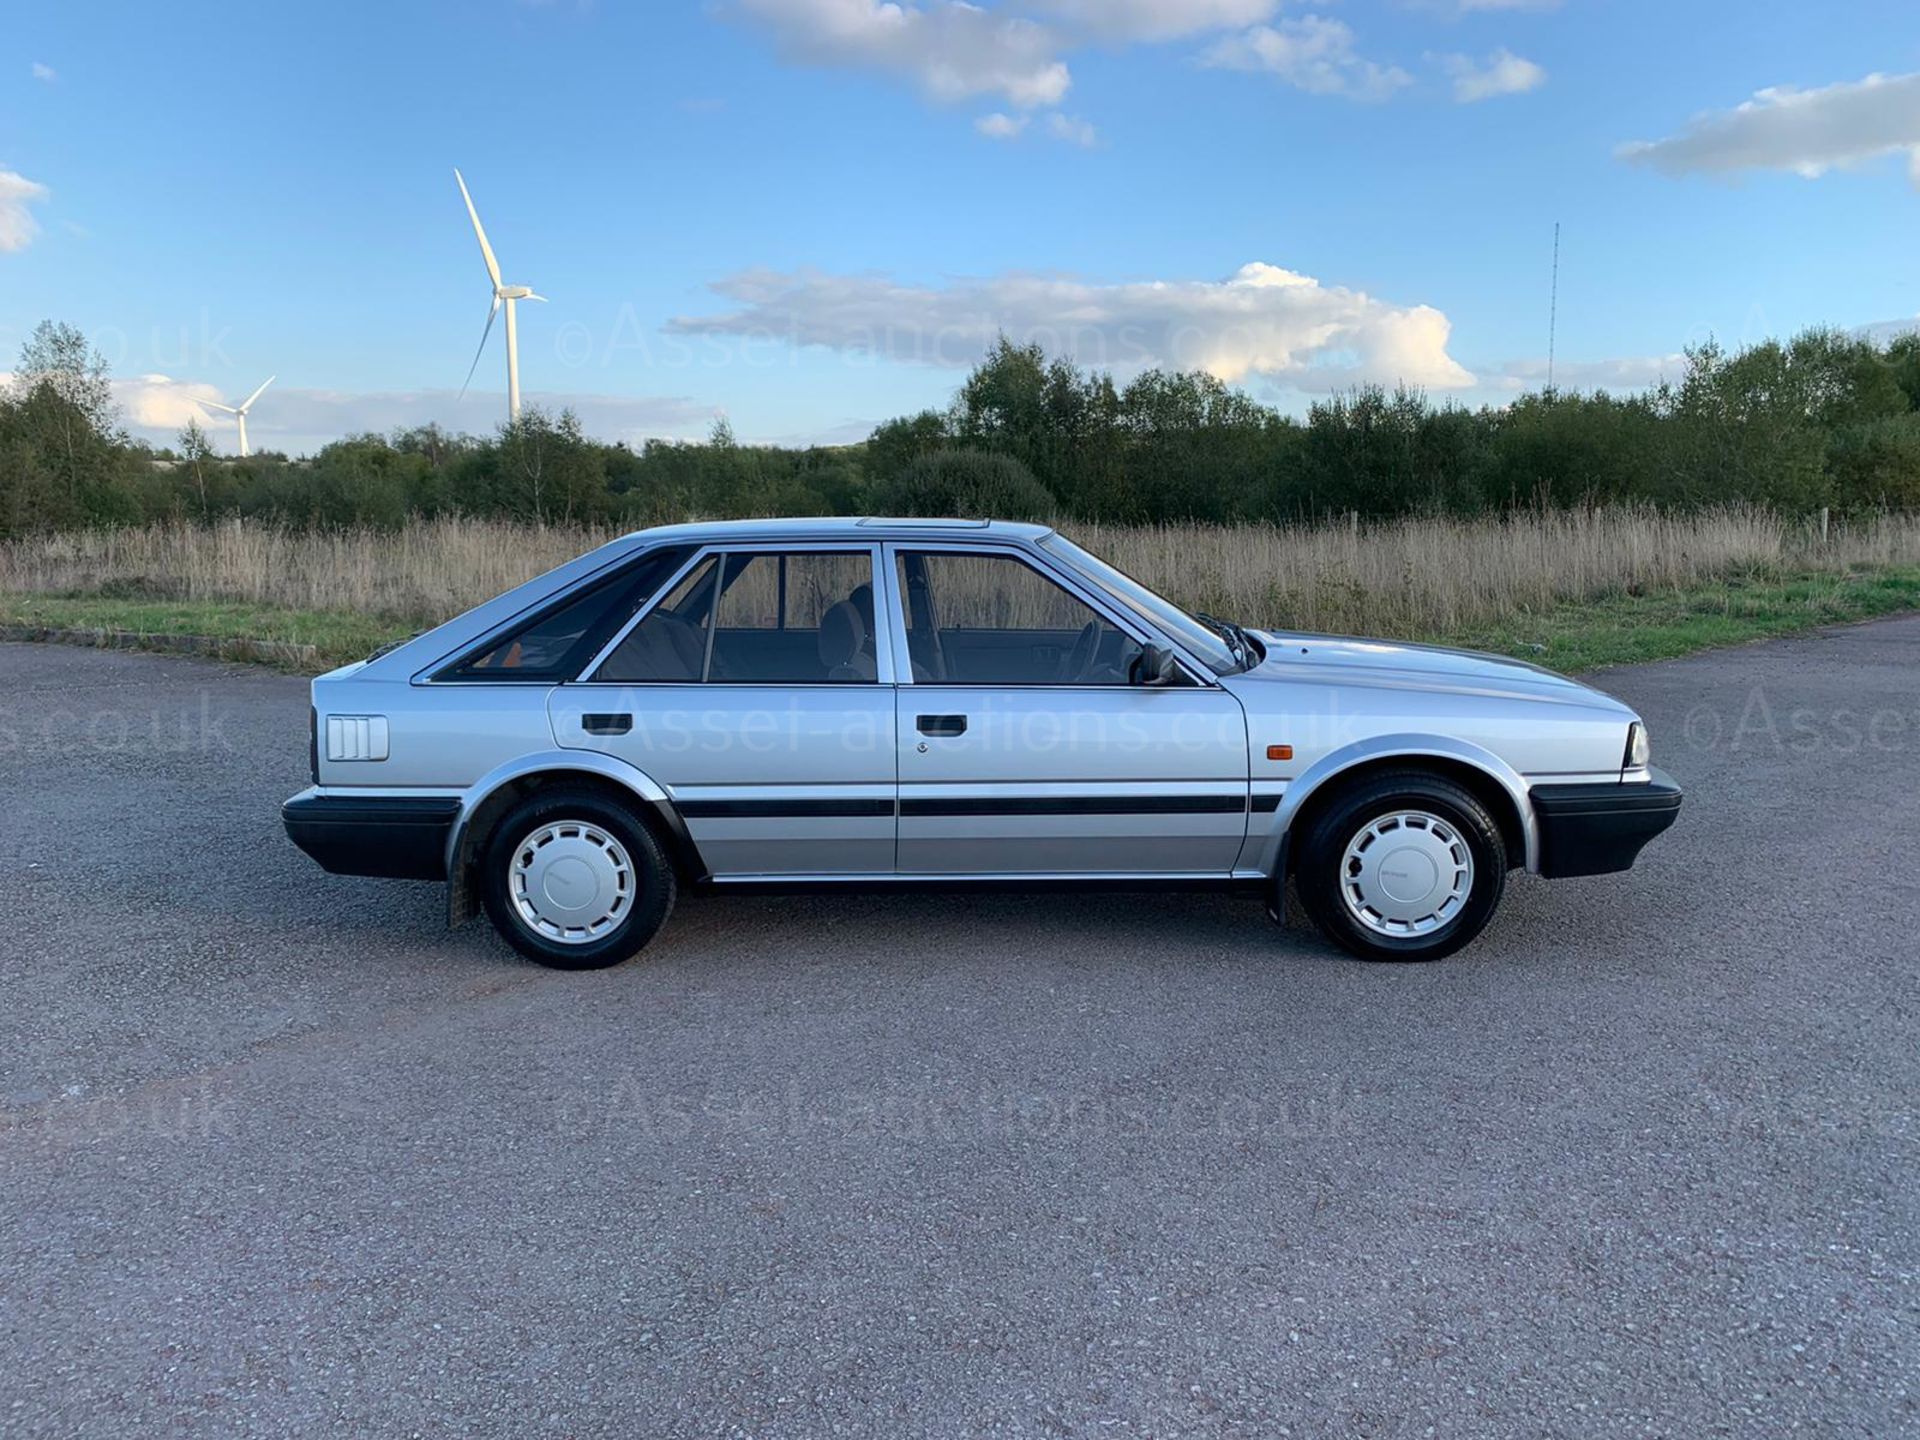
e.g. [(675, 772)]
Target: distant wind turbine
[(503, 294), (239, 411)]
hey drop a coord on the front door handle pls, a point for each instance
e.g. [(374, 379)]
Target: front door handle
[(945, 727), (607, 724)]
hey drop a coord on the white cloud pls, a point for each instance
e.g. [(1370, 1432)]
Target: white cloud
[(1001, 127), (44, 73), (1467, 9), (1155, 20), (840, 432), (1073, 130), (951, 49), (1069, 128), (1806, 132), (1501, 73), (300, 421), (1638, 372), (1264, 321), (17, 224), (1887, 330), (1015, 50), (158, 405), (1313, 53)]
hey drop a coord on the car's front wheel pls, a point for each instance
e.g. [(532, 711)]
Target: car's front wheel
[(574, 880), (1403, 866)]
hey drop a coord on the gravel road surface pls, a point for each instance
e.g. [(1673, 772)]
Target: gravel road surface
[(279, 1155)]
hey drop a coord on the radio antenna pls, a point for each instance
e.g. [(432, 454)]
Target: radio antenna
[(1553, 310)]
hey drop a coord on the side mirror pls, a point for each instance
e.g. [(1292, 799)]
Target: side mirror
[(1155, 665)]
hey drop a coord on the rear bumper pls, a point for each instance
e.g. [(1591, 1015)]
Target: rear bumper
[(1601, 829), (395, 837)]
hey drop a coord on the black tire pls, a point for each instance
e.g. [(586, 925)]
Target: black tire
[(645, 911), (1319, 882)]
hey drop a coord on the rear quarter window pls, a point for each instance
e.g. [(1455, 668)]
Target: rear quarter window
[(557, 642)]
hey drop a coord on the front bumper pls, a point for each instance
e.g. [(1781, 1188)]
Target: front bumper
[(1601, 829), (394, 837)]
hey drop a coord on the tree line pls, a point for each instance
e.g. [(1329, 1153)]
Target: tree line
[(1825, 419)]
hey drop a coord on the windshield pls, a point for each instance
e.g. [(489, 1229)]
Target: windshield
[(1200, 639)]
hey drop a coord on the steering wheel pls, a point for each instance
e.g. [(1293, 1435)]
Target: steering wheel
[(1080, 658)]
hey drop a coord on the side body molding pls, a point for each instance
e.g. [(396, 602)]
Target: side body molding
[(462, 842), (1269, 855)]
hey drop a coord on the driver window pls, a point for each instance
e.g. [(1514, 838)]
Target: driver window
[(979, 619)]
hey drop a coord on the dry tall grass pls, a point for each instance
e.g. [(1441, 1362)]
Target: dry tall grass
[(1439, 576), (1409, 577)]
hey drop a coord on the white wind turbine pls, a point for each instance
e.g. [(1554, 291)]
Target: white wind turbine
[(507, 295), (239, 411)]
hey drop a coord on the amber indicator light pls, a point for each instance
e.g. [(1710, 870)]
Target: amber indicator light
[(1279, 752)]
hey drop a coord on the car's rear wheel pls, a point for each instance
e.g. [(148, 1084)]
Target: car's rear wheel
[(1402, 866), (575, 880)]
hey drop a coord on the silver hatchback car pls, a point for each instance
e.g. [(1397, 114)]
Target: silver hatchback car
[(900, 702)]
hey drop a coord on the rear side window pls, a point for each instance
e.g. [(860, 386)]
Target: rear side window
[(670, 645), (758, 618), (557, 643)]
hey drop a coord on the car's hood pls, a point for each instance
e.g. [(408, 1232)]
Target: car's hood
[(1341, 660)]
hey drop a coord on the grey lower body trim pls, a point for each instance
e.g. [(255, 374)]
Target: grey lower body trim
[(783, 809), (1238, 880), (1077, 805)]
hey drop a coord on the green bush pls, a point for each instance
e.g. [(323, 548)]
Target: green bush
[(965, 484), (1877, 464)]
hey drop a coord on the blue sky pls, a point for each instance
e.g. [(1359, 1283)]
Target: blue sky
[(811, 214)]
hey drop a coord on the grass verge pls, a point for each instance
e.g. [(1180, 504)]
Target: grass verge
[(1618, 629), (305, 640), (1633, 629)]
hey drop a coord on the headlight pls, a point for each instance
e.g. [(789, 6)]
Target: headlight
[(1639, 748)]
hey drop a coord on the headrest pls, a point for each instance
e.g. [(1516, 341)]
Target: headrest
[(842, 633)]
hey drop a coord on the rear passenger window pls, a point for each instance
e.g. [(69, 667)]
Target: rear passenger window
[(763, 618), (558, 644), (670, 645)]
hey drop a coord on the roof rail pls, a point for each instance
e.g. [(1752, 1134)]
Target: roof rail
[(916, 523)]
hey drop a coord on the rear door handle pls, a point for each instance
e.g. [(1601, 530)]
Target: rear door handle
[(943, 726), (607, 724)]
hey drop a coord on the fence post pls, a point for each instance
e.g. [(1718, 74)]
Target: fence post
[(1825, 510)]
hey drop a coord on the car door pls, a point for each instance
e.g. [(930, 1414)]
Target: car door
[(756, 690), (1026, 748)]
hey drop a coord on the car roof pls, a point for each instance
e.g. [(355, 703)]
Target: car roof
[(840, 527)]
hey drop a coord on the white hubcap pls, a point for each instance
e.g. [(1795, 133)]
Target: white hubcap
[(1408, 873), (572, 882)]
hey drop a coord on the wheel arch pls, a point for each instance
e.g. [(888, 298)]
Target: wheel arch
[(1484, 775), (492, 796)]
